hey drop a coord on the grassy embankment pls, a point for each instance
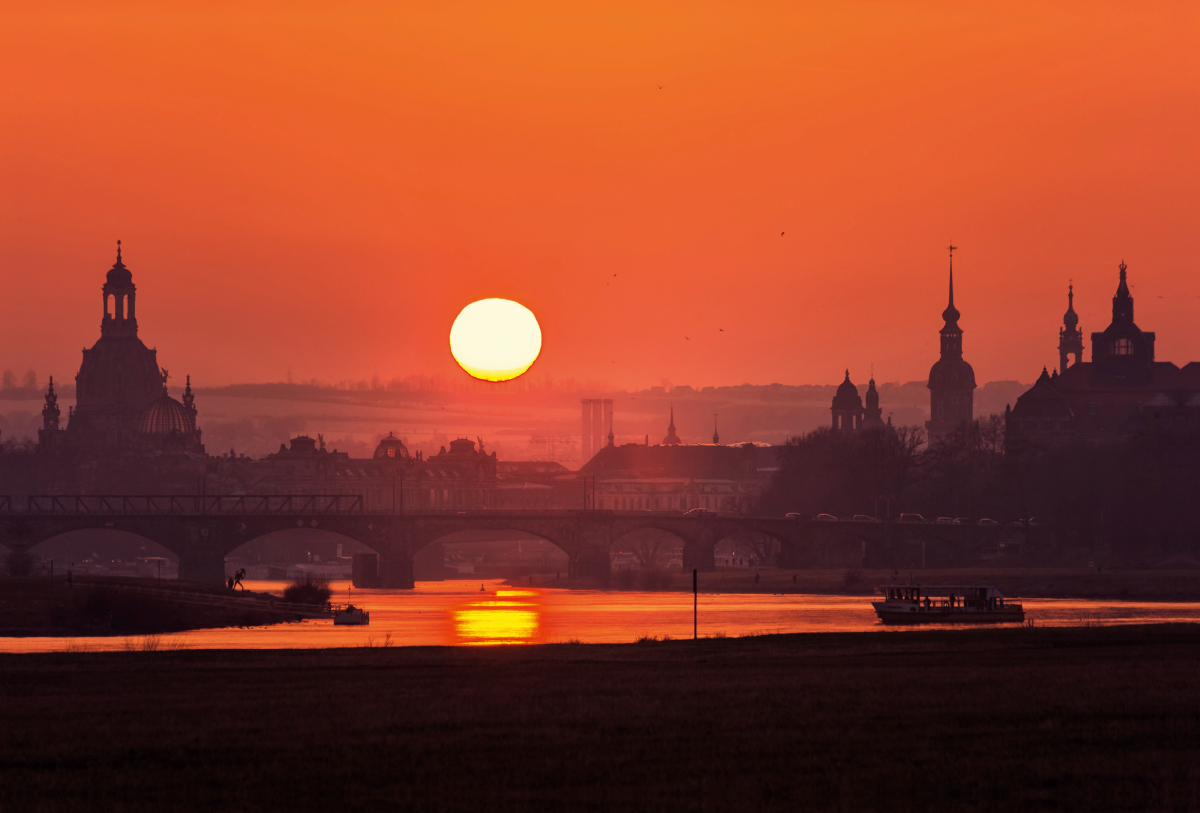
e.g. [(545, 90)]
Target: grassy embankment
[(1129, 585), (1017, 719), (99, 606)]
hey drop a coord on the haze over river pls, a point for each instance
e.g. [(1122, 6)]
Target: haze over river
[(459, 613)]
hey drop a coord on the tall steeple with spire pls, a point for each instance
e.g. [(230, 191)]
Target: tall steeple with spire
[(672, 439), (951, 379)]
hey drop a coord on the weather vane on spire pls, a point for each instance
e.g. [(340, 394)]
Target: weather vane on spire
[(118, 249), (953, 248)]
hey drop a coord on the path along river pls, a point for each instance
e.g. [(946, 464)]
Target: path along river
[(459, 613)]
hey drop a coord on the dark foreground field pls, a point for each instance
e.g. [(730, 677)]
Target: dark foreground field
[(1018, 719)]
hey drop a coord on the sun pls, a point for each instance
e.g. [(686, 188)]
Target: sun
[(495, 339)]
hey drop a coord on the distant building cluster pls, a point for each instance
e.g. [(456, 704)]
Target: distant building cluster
[(124, 412), (1122, 392)]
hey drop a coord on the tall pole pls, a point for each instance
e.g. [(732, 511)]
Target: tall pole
[(695, 608)]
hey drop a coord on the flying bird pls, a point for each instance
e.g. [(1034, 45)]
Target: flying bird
[(721, 329), (660, 87), (782, 233), (687, 338)]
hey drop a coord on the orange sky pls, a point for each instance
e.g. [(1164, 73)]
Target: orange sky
[(325, 190)]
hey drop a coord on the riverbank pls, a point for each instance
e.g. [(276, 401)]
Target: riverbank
[(1030, 719), (1121, 585), (105, 606)]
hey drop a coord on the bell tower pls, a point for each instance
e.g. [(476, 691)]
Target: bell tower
[(120, 296), (1070, 335), (951, 379)]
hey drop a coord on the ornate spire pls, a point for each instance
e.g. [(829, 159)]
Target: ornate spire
[(119, 252), (50, 412), (716, 437), (951, 314), (188, 398), (1070, 319), (1122, 301), (671, 439)]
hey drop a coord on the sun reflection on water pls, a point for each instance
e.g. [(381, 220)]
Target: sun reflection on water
[(506, 617)]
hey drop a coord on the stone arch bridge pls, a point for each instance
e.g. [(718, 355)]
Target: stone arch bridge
[(202, 530)]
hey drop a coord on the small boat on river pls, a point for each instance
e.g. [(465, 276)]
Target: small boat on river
[(945, 604), (352, 616)]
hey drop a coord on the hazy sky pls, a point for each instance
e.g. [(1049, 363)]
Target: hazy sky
[(326, 189)]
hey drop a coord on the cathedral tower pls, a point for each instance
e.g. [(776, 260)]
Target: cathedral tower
[(119, 377), (951, 379)]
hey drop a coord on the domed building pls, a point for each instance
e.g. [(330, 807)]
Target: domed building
[(847, 407), (951, 379), (391, 448), (121, 400)]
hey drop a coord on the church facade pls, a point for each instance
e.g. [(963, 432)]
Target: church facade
[(1122, 392)]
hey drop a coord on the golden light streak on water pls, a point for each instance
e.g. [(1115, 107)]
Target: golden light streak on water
[(429, 616), (513, 617)]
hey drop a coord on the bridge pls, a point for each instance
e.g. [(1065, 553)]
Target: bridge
[(202, 530)]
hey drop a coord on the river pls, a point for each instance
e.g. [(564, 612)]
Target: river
[(459, 613)]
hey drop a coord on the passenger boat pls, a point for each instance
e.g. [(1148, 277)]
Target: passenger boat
[(950, 604), (351, 615)]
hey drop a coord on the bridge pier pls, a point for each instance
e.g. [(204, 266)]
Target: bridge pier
[(396, 573), (200, 550), (699, 557), (591, 563)]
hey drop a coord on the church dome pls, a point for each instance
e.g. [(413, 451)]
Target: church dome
[(847, 395), (390, 448), (119, 274), (165, 416)]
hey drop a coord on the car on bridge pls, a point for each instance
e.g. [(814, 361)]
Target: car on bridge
[(948, 521), (826, 518), (864, 518), (911, 518), (986, 521), (696, 512), (793, 515)]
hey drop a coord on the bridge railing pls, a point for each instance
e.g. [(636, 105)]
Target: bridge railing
[(168, 504)]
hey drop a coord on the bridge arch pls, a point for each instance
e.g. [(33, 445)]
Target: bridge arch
[(467, 548), (274, 554)]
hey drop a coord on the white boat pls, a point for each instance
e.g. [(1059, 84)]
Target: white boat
[(945, 604), (352, 616)]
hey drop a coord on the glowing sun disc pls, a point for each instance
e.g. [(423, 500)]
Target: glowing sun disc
[(495, 339)]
